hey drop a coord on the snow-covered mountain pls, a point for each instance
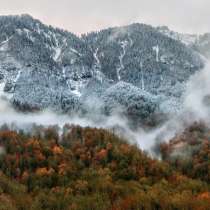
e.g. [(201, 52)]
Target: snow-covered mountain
[(198, 42), (137, 67), (187, 39)]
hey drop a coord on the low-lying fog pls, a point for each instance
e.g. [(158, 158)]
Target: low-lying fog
[(195, 108)]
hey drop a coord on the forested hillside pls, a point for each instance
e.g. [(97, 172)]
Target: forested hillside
[(92, 169)]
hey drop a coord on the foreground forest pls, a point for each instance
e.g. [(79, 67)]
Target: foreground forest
[(92, 169)]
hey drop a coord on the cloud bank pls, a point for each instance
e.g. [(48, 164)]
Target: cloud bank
[(195, 108)]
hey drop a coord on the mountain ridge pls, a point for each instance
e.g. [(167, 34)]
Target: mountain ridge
[(44, 67)]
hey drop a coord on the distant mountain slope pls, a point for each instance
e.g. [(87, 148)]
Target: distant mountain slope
[(203, 45), (38, 61), (200, 43), (187, 39), (45, 67), (140, 55)]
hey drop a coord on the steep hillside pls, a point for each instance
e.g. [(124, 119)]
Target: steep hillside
[(91, 169), (197, 42), (44, 67)]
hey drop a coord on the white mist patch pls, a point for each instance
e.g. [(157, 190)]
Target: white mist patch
[(47, 118), (196, 107), (197, 96)]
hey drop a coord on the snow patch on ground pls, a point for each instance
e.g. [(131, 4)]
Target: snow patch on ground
[(4, 95), (75, 51), (64, 72), (142, 77), (95, 54), (76, 87), (76, 91), (18, 76), (58, 49), (131, 41), (3, 45), (28, 34), (57, 53), (187, 39), (38, 28), (97, 73), (122, 55), (157, 50)]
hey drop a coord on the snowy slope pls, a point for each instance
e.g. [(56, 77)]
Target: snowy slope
[(187, 39), (44, 67)]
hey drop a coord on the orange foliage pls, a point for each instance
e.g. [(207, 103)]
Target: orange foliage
[(90, 168), (62, 168), (8, 135), (125, 149), (177, 178), (57, 150), (34, 143), (44, 171), (25, 176), (204, 196), (39, 156), (101, 155)]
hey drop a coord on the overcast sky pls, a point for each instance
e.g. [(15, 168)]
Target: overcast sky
[(79, 16)]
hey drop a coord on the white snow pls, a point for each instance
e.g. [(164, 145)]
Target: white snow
[(3, 44), (131, 41), (142, 77), (163, 58), (56, 40), (28, 34), (58, 49), (7, 39), (97, 73), (95, 54), (19, 31), (72, 61), (38, 28), (122, 55), (3, 47), (4, 95), (75, 51), (157, 50), (64, 72), (76, 92), (57, 53), (47, 35), (18, 76), (76, 86)]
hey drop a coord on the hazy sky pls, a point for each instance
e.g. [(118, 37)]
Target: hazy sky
[(79, 16)]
